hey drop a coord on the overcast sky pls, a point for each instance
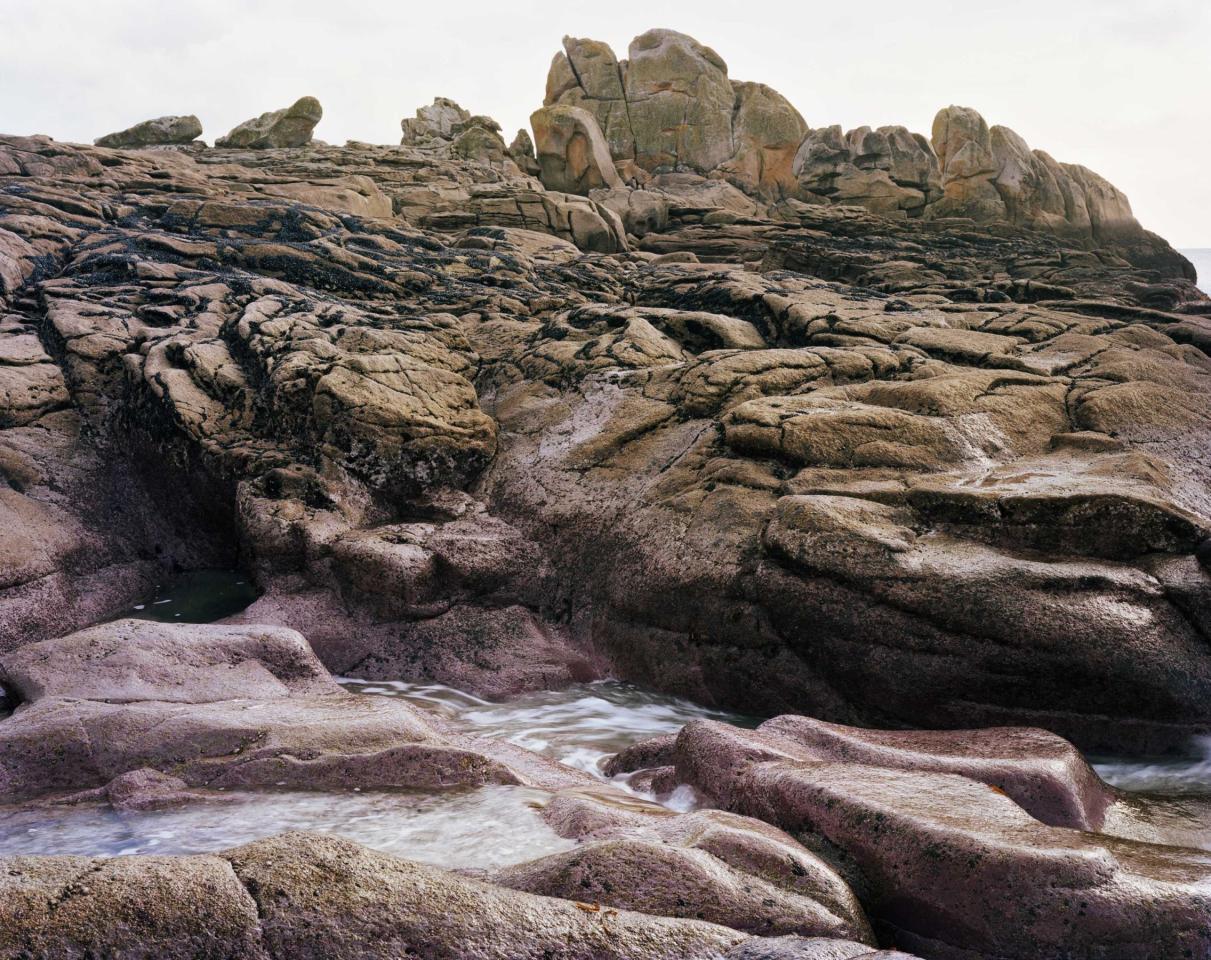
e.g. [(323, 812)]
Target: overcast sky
[(1122, 87)]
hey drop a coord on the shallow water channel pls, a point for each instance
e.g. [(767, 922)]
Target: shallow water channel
[(486, 827)]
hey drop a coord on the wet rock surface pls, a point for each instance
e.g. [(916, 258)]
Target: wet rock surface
[(142, 716), (311, 895), (707, 865), (220, 707), (930, 827)]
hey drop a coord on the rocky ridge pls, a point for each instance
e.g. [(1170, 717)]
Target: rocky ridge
[(671, 106)]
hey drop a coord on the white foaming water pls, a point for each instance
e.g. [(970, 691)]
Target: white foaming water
[(487, 827), (580, 725), (491, 826), (1183, 776)]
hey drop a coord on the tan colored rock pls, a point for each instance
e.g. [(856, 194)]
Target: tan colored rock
[(482, 144), (588, 75), (679, 102), (522, 152), (766, 133), (289, 127), (1110, 215), (888, 170), (917, 485), (1029, 185), (963, 144), (572, 154), (29, 390), (434, 122), (163, 130), (669, 106), (641, 211), (357, 195)]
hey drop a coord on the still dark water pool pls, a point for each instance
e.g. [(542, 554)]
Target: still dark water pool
[(197, 596)]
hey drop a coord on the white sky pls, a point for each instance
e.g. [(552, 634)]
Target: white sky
[(1122, 87)]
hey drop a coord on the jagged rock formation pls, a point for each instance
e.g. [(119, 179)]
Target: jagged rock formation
[(163, 130), (991, 175), (447, 127), (671, 107), (523, 154), (888, 171), (288, 127), (434, 122)]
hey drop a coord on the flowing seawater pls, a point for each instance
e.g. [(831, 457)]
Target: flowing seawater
[(580, 726)]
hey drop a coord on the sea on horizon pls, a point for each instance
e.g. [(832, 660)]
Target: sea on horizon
[(1201, 258)]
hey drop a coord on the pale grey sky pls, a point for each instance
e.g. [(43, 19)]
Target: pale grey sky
[(1122, 87)]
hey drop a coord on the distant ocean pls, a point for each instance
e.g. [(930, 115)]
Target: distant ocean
[(1202, 263)]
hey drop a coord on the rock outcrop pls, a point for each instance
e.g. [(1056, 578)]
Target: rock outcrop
[(572, 154), (934, 824), (309, 895), (289, 127), (849, 426), (220, 707), (706, 865), (888, 171), (671, 108), (149, 133), (523, 153), (437, 121)]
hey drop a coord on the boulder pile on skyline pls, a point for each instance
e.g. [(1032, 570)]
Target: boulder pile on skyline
[(672, 107)]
